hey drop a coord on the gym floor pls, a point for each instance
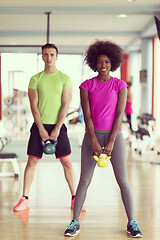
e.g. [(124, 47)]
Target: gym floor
[(105, 218)]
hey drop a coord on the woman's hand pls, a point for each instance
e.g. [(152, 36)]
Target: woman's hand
[(97, 149), (108, 148)]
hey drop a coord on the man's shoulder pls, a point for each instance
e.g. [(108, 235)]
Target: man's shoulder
[(63, 75), (37, 75), (33, 83)]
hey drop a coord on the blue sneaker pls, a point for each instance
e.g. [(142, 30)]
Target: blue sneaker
[(133, 229), (72, 229)]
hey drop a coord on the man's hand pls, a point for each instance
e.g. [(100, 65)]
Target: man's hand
[(44, 134), (54, 134)]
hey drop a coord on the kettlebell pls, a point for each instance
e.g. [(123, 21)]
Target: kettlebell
[(49, 147), (102, 162)]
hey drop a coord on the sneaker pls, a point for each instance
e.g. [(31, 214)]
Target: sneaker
[(72, 229), (23, 215), (22, 205), (72, 205), (133, 229)]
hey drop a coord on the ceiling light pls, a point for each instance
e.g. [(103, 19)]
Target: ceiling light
[(122, 15)]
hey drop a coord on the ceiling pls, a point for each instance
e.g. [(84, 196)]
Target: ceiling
[(75, 24)]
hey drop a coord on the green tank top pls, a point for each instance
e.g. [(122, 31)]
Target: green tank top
[(50, 87)]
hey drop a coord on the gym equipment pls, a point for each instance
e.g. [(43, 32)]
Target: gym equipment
[(3, 142), (143, 138), (102, 161), (6, 158), (1, 145), (49, 147), (9, 125), (8, 113), (10, 158), (8, 101)]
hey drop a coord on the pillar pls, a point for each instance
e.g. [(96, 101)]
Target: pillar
[(147, 64)]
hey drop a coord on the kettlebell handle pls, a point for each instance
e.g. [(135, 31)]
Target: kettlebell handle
[(100, 155), (48, 140)]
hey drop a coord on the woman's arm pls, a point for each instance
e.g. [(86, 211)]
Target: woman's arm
[(122, 96), (97, 149), (33, 98)]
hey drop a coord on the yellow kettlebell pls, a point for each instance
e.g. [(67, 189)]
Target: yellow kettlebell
[(102, 162)]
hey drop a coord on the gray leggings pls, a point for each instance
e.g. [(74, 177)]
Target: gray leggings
[(119, 164)]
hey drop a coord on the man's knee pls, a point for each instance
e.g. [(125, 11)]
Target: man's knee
[(32, 161), (66, 162)]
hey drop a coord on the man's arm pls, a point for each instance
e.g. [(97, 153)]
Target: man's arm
[(65, 101), (33, 98)]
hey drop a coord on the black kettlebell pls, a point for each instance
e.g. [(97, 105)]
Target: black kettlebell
[(49, 147)]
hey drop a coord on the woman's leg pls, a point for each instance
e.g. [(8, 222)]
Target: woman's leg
[(87, 169), (119, 163)]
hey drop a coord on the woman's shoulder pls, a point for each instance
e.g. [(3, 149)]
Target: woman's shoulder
[(116, 79), (88, 83), (119, 81), (118, 84), (90, 80)]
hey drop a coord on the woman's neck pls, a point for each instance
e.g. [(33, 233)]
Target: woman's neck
[(103, 78)]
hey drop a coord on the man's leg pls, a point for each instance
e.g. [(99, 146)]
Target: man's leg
[(69, 173), (29, 174), (28, 179), (34, 152)]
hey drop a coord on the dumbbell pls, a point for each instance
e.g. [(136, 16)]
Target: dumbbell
[(1, 144), (4, 141)]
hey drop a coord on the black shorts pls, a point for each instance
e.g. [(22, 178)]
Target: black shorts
[(35, 147)]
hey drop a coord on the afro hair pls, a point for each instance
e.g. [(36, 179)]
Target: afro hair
[(110, 49)]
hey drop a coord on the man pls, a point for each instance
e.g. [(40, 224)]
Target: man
[(50, 93)]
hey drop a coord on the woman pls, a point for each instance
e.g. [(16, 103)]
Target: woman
[(128, 109), (103, 100)]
